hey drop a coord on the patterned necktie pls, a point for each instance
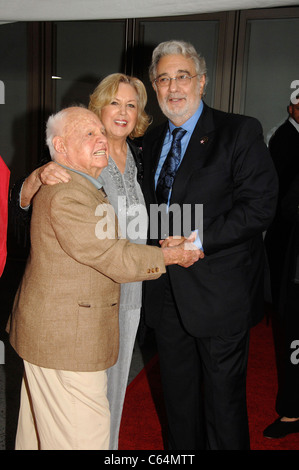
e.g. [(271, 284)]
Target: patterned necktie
[(169, 169)]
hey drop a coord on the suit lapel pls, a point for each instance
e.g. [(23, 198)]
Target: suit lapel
[(197, 153), (196, 156)]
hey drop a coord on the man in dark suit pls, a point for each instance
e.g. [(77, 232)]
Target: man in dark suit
[(202, 315), (284, 148)]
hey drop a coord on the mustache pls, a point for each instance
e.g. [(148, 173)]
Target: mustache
[(175, 96)]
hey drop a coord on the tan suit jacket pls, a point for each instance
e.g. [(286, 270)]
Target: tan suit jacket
[(65, 314)]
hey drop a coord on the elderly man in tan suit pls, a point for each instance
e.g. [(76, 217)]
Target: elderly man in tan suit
[(64, 322)]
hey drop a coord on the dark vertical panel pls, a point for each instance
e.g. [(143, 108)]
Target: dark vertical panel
[(266, 64), (85, 52), (13, 111)]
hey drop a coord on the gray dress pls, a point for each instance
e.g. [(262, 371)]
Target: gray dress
[(125, 196)]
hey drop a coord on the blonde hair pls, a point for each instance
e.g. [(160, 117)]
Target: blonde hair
[(106, 91)]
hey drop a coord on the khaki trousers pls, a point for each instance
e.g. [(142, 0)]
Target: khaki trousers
[(63, 410)]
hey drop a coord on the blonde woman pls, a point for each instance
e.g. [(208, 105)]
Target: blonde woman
[(119, 101)]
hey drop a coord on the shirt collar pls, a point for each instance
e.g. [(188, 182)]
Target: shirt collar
[(98, 183), (295, 124)]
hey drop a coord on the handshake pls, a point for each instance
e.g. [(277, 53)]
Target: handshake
[(180, 250)]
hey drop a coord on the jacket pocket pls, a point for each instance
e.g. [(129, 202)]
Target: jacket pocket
[(231, 261)]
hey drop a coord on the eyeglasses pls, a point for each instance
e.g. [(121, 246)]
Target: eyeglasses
[(182, 79)]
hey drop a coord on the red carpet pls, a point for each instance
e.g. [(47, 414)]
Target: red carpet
[(143, 421)]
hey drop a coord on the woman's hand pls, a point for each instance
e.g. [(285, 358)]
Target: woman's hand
[(51, 173)]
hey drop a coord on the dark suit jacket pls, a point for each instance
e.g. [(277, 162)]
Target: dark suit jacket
[(283, 146), (228, 169), (289, 289)]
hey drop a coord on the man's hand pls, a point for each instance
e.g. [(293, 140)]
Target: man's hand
[(178, 239), (172, 241), (50, 174), (183, 252)]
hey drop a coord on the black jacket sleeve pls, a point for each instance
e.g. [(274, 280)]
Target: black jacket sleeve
[(20, 218)]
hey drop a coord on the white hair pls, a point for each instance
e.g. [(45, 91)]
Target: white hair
[(178, 47), (55, 126)]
